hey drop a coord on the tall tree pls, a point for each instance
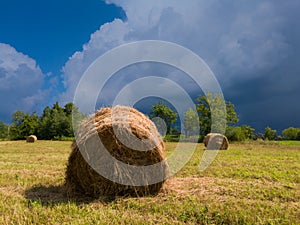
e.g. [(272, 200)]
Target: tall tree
[(60, 124), (222, 117), (191, 123), (70, 108), (23, 124), (291, 133), (30, 124), (56, 122), (162, 111), (270, 134), (73, 115), (4, 129), (44, 131), (248, 131)]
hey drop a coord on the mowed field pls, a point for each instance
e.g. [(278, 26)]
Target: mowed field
[(251, 183)]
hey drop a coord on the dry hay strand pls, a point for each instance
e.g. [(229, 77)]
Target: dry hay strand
[(216, 141), (81, 177), (31, 138)]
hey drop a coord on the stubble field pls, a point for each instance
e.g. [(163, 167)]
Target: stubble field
[(251, 183)]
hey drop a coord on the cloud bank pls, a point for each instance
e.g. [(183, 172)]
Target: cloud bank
[(21, 82), (252, 47)]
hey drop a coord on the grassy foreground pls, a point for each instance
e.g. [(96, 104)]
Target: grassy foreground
[(252, 183)]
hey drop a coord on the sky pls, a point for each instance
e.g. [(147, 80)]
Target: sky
[(252, 47)]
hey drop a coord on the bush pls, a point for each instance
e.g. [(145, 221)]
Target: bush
[(235, 134), (291, 133), (63, 138), (242, 133), (270, 134), (248, 132), (172, 138)]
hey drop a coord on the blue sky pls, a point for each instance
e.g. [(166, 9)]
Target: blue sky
[(51, 31), (253, 47)]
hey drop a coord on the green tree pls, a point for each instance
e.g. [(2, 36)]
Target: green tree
[(30, 124), (23, 124), (248, 132), (4, 129), (236, 133), (17, 120), (57, 107), (73, 115), (191, 123), (60, 124), (44, 131), (223, 115), (46, 112), (291, 133), (270, 134), (56, 122), (162, 111), (69, 108)]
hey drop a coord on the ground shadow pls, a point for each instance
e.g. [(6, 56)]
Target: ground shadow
[(54, 195)]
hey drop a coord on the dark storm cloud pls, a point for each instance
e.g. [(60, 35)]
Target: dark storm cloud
[(251, 46)]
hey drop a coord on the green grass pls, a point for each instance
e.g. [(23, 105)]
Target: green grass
[(290, 143), (251, 183)]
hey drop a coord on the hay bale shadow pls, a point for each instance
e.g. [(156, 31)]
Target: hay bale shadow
[(56, 195)]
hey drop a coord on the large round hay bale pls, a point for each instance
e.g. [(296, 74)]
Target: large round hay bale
[(215, 141), (31, 138), (206, 139), (90, 171)]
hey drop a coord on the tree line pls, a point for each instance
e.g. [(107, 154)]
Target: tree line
[(56, 122), (198, 121)]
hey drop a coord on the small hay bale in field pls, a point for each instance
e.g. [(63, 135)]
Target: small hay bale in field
[(215, 141), (31, 138), (109, 168)]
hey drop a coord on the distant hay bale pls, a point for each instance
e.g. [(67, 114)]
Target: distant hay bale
[(31, 138), (215, 141), (132, 125)]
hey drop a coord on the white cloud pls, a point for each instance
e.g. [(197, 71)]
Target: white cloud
[(21, 80), (108, 36)]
